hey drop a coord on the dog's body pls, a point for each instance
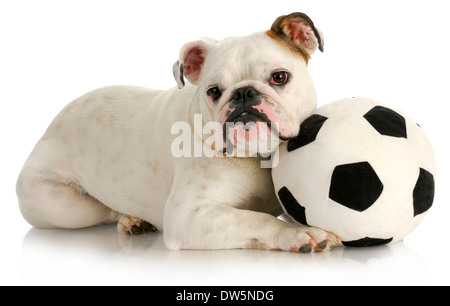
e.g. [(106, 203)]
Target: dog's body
[(109, 155)]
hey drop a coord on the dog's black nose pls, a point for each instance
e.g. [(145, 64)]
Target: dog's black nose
[(245, 94)]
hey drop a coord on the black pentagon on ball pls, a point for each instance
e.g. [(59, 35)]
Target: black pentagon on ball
[(423, 193), (293, 208), (366, 241), (308, 132), (355, 186), (386, 121)]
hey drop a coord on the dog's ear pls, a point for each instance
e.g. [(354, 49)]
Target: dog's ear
[(297, 32), (192, 58)]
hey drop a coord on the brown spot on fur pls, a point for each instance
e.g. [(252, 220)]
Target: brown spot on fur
[(59, 126), (96, 114), (81, 131), (111, 119), (254, 243), (114, 159), (152, 165), (197, 209)]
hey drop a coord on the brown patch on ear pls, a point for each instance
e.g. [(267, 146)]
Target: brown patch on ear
[(291, 47), (297, 32)]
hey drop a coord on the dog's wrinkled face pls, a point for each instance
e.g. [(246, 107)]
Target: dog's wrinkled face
[(257, 87), (251, 86)]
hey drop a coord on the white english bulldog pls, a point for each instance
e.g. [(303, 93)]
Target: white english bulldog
[(172, 160)]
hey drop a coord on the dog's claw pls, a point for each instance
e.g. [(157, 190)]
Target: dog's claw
[(136, 230), (305, 248), (147, 227), (321, 246)]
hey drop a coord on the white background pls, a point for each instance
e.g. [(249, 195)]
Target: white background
[(53, 51)]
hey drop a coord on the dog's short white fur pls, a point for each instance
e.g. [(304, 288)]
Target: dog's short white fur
[(107, 157)]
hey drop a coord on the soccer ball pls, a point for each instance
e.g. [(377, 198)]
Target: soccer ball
[(358, 169)]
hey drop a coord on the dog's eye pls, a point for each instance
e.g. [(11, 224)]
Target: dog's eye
[(214, 92), (279, 78)]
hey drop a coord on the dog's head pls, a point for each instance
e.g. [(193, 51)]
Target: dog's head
[(257, 87)]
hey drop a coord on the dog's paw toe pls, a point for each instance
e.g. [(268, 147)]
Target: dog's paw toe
[(134, 226)]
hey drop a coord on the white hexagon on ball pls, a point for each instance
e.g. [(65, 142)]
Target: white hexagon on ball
[(359, 169)]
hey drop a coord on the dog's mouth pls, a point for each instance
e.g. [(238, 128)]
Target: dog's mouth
[(257, 121), (246, 117), (247, 126), (249, 119)]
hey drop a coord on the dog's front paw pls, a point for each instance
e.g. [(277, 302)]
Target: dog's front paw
[(310, 239), (134, 226)]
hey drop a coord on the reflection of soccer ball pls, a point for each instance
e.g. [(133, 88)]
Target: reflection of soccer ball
[(358, 169)]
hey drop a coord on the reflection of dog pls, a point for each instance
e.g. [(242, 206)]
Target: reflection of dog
[(107, 155)]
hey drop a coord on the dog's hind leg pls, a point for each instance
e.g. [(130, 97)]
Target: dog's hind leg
[(51, 199)]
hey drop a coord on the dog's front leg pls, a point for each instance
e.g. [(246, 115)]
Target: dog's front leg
[(194, 222)]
